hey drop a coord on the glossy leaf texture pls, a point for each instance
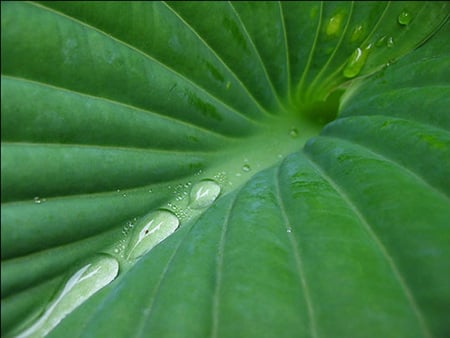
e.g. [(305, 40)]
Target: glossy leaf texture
[(114, 110)]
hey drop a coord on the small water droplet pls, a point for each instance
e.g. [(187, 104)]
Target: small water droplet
[(203, 194), (356, 62), (293, 132), (357, 33), (39, 200), (118, 190), (289, 230), (390, 42), (150, 190), (381, 41), (404, 18), (124, 195), (334, 24), (246, 168), (151, 230)]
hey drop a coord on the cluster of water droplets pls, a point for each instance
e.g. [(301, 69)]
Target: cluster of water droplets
[(39, 200), (358, 58)]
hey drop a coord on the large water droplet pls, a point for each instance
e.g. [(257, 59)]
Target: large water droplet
[(356, 62), (334, 24), (151, 230), (79, 287), (404, 18), (203, 194)]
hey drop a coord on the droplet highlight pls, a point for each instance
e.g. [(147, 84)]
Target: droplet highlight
[(203, 194), (356, 62), (85, 282), (150, 231), (404, 18), (381, 41)]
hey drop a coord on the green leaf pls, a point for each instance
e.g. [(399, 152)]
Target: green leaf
[(332, 215)]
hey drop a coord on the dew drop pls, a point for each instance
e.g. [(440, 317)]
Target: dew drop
[(289, 230), (404, 18), (381, 41), (334, 24), (151, 230), (356, 62), (203, 194), (85, 282), (39, 200), (293, 132), (357, 33), (246, 168), (390, 42)]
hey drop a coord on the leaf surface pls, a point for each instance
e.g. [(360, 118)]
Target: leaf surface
[(319, 230)]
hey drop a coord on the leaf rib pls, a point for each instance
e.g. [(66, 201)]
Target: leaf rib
[(311, 53), (219, 269), (395, 163), (286, 48), (151, 59), (233, 74), (257, 53), (170, 119), (389, 259), (297, 256), (336, 48), (154, 295)]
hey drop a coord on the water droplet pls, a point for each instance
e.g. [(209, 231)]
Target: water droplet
[(79, 287), (334, 24), (150, 190), (404, 18), (390, 42), (356, 62), (289, 230), (151, 230), (118, 190), (381, 41), (246, 168), (124, 195), (39, 200), (293, 132), (203, 194), (357, 33)]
